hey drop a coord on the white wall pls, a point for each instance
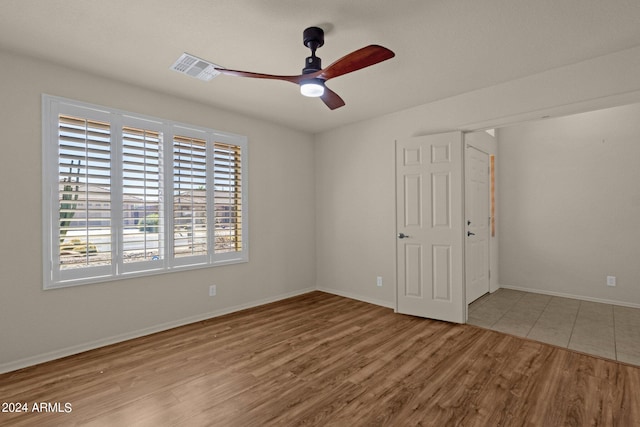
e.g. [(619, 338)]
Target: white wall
[(36, 325), (570, 205), (355, 199)]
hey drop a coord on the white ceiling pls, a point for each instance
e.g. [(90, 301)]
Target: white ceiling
[(443, 47)]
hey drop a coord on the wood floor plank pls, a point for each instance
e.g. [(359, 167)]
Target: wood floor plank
[(320, 359)]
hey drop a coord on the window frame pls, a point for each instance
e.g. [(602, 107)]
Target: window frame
[(55, 277)]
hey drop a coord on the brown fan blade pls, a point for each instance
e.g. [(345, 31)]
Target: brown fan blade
[(292, 79), (356, 60), (331, 99)]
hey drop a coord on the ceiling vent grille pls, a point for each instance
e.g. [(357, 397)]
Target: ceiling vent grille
[(195, 67)]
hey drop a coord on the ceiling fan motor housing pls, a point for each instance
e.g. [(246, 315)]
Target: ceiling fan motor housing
[(312, 64)]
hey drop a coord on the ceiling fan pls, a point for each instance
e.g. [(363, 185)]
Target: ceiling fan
[(313, 77)]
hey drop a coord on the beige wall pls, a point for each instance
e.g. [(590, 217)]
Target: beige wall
[(570, 205), (355, 193), (36, 324)]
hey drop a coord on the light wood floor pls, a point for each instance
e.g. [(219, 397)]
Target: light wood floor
[(320, 359)]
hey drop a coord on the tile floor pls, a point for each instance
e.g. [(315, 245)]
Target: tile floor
[(604, 330)]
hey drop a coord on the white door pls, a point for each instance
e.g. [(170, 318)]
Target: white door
[(477, 222), (430, 227)]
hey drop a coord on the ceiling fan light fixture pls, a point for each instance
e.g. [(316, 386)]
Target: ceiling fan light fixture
[(313, 88)]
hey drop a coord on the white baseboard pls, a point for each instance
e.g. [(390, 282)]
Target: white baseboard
[(578, 297), (68, 351), (358, 297)]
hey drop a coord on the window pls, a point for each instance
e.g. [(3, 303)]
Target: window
[(128, 195)]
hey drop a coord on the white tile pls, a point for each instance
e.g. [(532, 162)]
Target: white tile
[(600, 329)]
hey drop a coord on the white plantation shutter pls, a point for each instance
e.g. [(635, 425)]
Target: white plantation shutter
[(84, 192), (142, 219), (106, 211), (190, 224), (227, 171)]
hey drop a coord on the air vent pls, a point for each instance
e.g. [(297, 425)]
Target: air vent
[(195, 67)]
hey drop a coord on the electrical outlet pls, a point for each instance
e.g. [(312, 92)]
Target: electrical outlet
[(611, 280), (212, 290), (379, 281)]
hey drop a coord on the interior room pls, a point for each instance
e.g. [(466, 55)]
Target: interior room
[(555, 85)]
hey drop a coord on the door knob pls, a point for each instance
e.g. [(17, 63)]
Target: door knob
[(470, 233), (402, 236)]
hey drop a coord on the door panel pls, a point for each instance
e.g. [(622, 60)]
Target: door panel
[(412, 200), (430, 227), (441, 273), (441, 199), (478, 217), (413, 270)]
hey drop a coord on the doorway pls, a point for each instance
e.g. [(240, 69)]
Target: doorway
[(434, 227), (478, 221)]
